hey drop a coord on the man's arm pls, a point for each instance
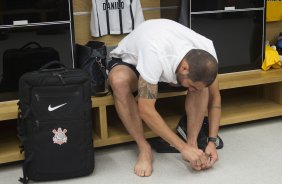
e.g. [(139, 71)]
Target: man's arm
[(147, 95), (214, 108), (214, 114)]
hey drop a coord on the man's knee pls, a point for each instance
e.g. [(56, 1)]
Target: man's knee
[(122, 80), (118, 83)]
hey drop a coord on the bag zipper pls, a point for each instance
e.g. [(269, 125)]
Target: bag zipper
[(37, 96), (37, 123)]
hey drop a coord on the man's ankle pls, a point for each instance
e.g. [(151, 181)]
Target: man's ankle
[(144, 145)]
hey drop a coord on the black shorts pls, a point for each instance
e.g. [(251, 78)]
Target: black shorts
[(118, 61)]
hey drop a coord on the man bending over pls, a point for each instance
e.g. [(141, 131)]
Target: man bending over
[(165, 51)]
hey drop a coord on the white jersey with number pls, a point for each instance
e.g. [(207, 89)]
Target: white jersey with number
[(115, 16)]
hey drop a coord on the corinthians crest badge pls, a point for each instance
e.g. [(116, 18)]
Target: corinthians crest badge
[(60, 136)]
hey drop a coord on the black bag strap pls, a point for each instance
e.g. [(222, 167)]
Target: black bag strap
[(31, 43), (47, 66), (25, 179), (23, 138), (103, 70), (102, 67), (20, 126)]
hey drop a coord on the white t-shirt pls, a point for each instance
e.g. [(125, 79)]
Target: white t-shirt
[(157, 47), (115, 16)]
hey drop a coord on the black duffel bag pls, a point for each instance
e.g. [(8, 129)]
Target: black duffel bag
[(29, 57), (161, 146), (202, 142), (92, 59)]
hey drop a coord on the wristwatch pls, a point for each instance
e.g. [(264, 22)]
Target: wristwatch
[(215, 140)]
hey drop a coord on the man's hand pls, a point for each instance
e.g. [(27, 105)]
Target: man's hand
[(196, 157), (211, 153)]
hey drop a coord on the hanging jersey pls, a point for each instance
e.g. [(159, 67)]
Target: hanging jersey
[(115, 16)]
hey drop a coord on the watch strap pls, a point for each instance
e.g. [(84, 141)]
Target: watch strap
[(215, 140)]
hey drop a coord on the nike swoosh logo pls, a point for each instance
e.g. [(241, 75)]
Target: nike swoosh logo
[(56, 107)]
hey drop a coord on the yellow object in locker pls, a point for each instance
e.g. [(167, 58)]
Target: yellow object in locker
[(272, 59)]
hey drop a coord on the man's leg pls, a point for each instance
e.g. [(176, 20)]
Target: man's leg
[(196, 106), (123, 82)]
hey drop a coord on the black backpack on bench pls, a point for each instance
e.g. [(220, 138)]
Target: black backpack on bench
[(55, 125)]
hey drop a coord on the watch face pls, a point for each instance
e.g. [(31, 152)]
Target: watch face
[(217, 142)]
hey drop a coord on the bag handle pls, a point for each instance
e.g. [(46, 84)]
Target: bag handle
[(47, 66), (102, 67), (31, 43)]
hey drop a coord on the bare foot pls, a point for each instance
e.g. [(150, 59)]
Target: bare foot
[(144, 166)]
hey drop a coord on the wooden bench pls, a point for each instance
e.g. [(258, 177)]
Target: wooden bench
[(246, 96)]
